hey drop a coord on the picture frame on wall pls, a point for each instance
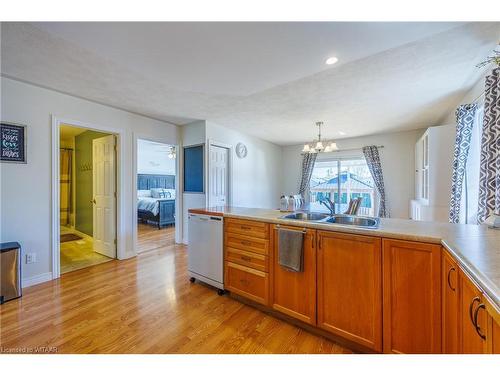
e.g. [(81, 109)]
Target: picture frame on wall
[(13, 143)]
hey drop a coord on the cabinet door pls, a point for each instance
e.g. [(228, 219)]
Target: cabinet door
[(450, 305), (495, 337), (294, 293), (350, 287), (472, 339), (412, 297)]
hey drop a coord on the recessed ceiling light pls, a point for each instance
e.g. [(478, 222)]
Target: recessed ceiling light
[(331, 60), (342, 133)]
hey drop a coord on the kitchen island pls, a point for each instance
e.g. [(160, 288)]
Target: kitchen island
[(404, 287)]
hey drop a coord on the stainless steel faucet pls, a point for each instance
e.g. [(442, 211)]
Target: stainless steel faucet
[(328, 204)]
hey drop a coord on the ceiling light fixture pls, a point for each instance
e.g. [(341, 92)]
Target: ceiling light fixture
[(331, 60), (318, 146), (171, 153)]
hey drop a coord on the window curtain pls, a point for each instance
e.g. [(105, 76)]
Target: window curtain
[(308, 161), (489, 172), (465, 115), (65, 156), (373, 161)]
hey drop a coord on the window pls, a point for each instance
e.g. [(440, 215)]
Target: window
[(342, 180)]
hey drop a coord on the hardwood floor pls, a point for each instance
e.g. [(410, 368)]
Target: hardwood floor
[(144, 305), (149, 237)]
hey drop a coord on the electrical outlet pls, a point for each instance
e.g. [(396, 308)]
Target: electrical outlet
[(30, 258)]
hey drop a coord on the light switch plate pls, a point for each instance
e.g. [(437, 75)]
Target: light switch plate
[(30, 258)]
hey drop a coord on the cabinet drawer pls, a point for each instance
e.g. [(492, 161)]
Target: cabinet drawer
[(247, 228), (254, 245), (246, 258), (247, 282)]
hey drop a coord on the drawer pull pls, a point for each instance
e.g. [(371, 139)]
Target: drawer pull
[(244, 282), (449, 280), (244, 227), (471, 307), (478, 328), (244, 257), (246, 243)]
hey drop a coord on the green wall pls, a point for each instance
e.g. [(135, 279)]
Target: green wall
[(83, 180)]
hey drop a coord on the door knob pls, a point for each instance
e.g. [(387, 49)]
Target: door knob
[(93, 201)]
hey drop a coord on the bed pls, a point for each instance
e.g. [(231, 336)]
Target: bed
[(156, 199)]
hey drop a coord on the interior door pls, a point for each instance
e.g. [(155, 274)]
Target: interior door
[(218, 178), (104, 199)]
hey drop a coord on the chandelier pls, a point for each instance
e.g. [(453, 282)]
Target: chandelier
[(171, 153), (319, 146)]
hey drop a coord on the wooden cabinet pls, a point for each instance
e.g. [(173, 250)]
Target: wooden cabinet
[(294, 293), (246, 260), (247, 282), (411, 297), (255, 229), (350, 287), (494, 342), (473, 317), (449, 287)]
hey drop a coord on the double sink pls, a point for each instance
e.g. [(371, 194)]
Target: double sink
[(355, 221)]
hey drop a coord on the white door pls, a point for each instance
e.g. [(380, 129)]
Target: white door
[(218, 178), (104, 200)]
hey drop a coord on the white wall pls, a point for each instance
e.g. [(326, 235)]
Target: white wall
[(397, 159), (26, 188), (256, 178), (192, 134), (152, 158)]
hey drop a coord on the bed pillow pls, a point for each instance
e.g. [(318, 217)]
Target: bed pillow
[(170, 193), (158, 193), (143, 193)]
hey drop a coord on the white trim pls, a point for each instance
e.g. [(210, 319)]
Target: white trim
[(120, 198), (37, 279), (211, 143), (178, 194)]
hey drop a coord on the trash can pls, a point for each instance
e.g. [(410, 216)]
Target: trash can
[(10, 276)]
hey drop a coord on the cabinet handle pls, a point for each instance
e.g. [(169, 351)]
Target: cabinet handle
[(248, 259), (246, 243), (449, 280), (471, 306), (244, 227), (478, 328), (243, 281)]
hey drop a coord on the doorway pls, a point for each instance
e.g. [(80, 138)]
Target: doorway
[(219, 163), (156, 194), (87, 197)]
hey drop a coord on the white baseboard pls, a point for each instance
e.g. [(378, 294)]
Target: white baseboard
[(38, 279)]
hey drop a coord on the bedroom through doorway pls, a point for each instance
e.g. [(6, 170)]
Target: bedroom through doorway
[(156, 195)]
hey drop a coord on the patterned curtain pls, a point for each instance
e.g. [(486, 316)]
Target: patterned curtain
[(465, 120), (65, 157), (308, 161), (489, 172), (373, 160)]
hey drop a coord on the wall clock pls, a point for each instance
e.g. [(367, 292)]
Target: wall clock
[(241, 150)]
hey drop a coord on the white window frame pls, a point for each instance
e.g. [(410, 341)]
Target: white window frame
[(340, 156)]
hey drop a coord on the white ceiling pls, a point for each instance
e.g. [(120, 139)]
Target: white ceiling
[(266, 79)]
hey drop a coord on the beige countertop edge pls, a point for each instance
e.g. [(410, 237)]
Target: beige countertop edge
[(479, 278)]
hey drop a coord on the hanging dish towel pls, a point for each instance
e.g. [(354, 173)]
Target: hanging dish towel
[(291, 249)]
